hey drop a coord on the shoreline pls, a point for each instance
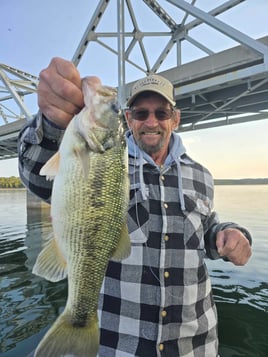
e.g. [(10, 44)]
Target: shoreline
[(217, 182), (244, 182)]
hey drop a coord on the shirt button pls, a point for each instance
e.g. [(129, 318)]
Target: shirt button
[(163, 178), (164, 313), (165, 205), (166, 274), (166, 238), (161, 347)]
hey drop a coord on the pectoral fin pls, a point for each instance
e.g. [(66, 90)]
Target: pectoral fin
[(81, 152), (51, 167), (124, 247), (50, 263)]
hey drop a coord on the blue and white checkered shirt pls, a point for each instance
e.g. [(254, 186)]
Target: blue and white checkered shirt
[(158, 301)]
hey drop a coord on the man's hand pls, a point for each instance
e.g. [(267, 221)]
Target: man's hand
[(59, 91), (232, 244)]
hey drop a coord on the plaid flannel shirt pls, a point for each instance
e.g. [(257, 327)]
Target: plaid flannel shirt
[(157, 302)]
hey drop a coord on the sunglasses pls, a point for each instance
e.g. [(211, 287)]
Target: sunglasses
[(160, 114)]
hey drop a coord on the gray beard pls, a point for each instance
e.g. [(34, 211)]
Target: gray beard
[(150, 149)]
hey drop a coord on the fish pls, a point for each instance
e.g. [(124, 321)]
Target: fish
[(89, 203)]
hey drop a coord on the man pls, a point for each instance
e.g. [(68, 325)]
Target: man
[(157, 302)]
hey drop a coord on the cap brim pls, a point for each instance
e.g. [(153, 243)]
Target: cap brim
[(132, 98)]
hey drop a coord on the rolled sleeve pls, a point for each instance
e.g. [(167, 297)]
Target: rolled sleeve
[(37, 142)]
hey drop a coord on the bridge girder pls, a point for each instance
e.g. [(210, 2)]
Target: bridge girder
[(218, 89)]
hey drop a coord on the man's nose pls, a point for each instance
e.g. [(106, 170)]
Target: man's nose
[(151, 119)]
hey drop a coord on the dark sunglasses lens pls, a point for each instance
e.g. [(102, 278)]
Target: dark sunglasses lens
[(140, 114), (160, 114)]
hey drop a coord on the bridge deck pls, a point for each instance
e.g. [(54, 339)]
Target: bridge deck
[(221, 89)]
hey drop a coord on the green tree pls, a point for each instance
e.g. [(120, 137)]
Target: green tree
[(10, 182)]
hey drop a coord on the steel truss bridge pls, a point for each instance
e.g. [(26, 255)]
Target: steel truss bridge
[(220, 88)]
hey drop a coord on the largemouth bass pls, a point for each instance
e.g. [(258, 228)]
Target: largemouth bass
[(88, 209)]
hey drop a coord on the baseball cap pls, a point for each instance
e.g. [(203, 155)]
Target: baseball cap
[(153, 83)]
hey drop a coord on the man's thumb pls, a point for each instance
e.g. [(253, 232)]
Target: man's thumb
[(220, 241)]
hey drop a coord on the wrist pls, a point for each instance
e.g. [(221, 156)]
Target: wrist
[(52, 123)]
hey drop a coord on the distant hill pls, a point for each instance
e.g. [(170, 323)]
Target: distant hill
[(246, 181), (15, 182)]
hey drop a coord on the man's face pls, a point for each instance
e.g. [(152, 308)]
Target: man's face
[(153, 135)]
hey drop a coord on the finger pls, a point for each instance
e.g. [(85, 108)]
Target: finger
[(47, 99), (240, 256), (63, 78), (56, 108), (229, 238), (58, 116), (61, 88), (59, 91), (220, 242), (67, 70), (236, 246)]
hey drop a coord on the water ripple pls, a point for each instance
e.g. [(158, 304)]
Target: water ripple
[(29, 304)]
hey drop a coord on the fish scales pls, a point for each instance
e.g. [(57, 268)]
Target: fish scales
[(98, 206), (88, 209)]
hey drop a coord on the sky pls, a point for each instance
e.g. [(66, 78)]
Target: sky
[(34, 31)]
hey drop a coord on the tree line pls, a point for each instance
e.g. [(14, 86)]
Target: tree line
[(10, 182)]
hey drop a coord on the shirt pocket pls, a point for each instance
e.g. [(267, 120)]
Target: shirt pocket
[(138, 216), (197, 210)]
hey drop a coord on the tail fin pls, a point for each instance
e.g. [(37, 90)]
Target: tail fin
[(63, 339)]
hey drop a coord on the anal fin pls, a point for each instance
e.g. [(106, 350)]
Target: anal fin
[(124, 247), (50, 263)]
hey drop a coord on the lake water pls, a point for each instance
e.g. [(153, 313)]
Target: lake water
[(29, 304)]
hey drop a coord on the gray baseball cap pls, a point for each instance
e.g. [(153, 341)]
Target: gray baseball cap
[(153, 83)]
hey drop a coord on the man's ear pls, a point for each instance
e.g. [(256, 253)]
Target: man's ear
[(177, 119), (128, 117)]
